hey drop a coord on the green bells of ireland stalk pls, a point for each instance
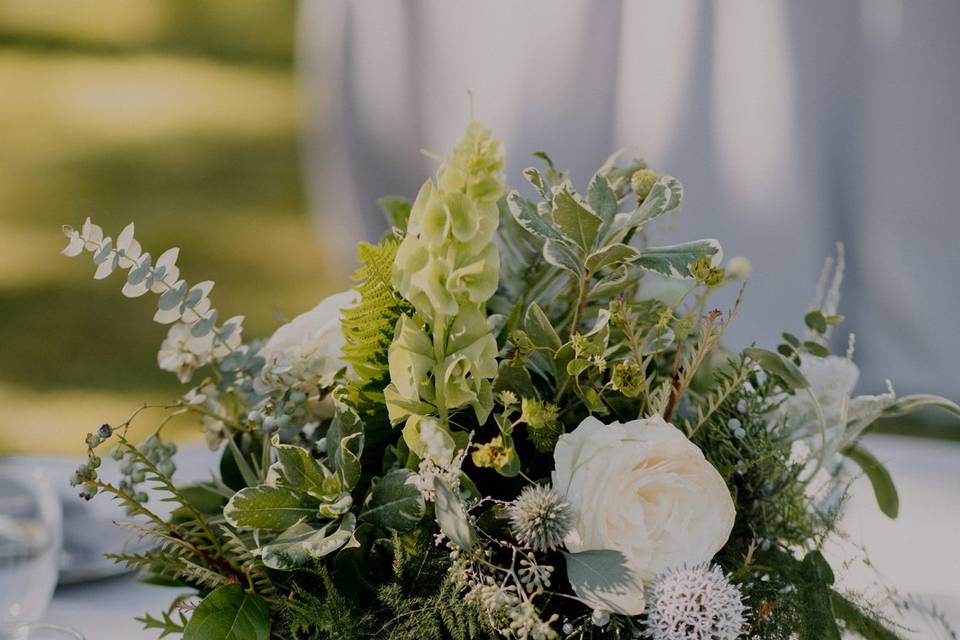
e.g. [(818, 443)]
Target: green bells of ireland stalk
[(443, 356)]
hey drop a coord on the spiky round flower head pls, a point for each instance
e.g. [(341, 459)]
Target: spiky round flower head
[(695, 603), (540, 518)]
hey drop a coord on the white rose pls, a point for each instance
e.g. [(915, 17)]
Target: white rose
[(642, 488), (309, 348)]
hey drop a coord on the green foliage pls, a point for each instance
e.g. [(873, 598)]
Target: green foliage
[(229, 613), (368, 327)]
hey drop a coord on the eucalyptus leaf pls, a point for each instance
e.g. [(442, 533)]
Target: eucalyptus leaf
[(301, 544), (395, 502), (604, 580), (229, 613), (816, 321), (880, 479), (452, 516), (674, 261), (272, 508)]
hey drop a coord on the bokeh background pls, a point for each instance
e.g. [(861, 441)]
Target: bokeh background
[(181, 116), (256, 135)]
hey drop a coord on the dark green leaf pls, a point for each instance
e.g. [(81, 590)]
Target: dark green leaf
[(883, 487), (229, 613), (527, 216), (816, 321), (816, 349), (395, 502)]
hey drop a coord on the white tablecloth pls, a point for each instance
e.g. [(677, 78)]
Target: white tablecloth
[(918, 552)]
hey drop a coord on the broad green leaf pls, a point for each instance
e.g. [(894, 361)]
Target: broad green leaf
[(302, 544), (267, 507), (779, 366), (909, 404), (611, 255), (229, 613), (527, 216), (298, 468), (674, 261), (452, 516), (344, 445), (559, 254), (602, 199), (397, 210), (395, 502), (574, 220), (538, 327), (604, 580), (883, 487)]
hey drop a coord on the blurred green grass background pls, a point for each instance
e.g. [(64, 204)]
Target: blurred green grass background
[(180, 116)]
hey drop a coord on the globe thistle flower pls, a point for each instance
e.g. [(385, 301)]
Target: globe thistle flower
[(540, 518), (696, 603)]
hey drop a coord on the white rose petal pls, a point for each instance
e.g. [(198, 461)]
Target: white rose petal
[(642, 488)]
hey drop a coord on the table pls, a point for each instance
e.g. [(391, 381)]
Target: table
[(918, 552)]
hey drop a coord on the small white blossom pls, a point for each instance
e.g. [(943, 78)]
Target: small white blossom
[(697, 603)]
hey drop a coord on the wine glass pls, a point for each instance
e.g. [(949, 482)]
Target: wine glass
[(30, 541), (38, 631)]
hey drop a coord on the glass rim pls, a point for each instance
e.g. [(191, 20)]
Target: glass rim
[(45, 626)]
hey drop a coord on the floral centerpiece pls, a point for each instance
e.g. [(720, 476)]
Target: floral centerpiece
[(505, 429)]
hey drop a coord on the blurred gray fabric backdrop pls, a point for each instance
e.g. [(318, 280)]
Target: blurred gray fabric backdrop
[(791, 124)]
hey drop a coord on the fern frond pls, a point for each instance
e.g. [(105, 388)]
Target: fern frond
[(368, 327)]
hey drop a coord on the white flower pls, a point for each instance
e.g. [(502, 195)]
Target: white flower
[(696, 603), (308, 349), (832, 380), (642, 488), (739, 267)]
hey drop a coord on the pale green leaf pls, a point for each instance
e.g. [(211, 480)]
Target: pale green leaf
[(574, 220), (302, 544), (272, 508), (452, 516), (774, 363), (612, 254), (674, 261), (604, 580)]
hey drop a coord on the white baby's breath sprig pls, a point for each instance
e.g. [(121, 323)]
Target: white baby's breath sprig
[(195, 339)]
